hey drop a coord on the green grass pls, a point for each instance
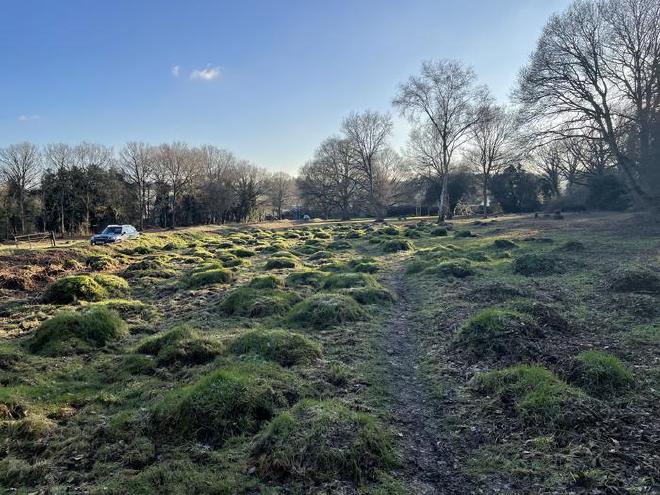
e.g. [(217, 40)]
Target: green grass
[(257, 303), (346, 280), (266, 282), (74, 288), (535, 264), (210, 277), (326, 310), (599, 374), (284, 347)]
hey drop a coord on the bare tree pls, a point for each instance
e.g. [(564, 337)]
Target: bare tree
[(176, 165), (61, 157), (594, 75), (92, 158), (444, 97), (250, 186), (20, 165), (368, 133), (281, 190), (494, 145), (136, 160), (219, 173)]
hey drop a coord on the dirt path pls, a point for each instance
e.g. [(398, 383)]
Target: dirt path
[(428, 459)]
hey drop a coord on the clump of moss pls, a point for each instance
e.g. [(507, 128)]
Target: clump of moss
[(536, 396), (390, 230), (326, 310), (146, 264), (545, 315), (258, 303), (394, 245), (312, 278), (266, 282), (284, 347), (75, 288), (208, 277), (181, 345), (320, 255), (599, 374), (495, 332), (459, 268), (504, 244), (370, 295), (235, 400), (339, 245), (634, 279), (280, 263), (100, 262), (439, 232), (323, 441), (242, 252), (464, 233), (69, 331), (346, 280), (535, 264)]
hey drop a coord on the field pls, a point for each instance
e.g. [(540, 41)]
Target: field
[(511, 355)]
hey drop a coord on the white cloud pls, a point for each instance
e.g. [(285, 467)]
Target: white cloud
[(25, 118), (207, 74), (176, 70)]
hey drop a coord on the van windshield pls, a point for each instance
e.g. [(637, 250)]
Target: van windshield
[(112, 230)]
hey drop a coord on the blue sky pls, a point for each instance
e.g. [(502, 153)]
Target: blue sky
[(273, 78)]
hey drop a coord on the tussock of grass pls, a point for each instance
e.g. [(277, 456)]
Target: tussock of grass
[(463, 233), (312, 278), (439, 232), (100, 262), (599, 374), (459, 268), (70, 332), (321, 255), (364, 265), (370, 295), (416, 266), (266, 282), (495, 332), (242, 252), (535, 264), (75, 288), (545, 315), (346, 280), (181, 345), (339, 245), (572, 247), (257, 303), (208, 277), (504, 244), (235, 400), (536, 396), (323, 441), (394, 245), (284, 347), (390, 230), (280, 263), (326, 310), (634, 279)]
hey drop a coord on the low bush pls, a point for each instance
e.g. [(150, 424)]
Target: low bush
[(498, 333), (326, 310), (394, 245), (323, 441), (599, 374), (284, 347), (235, 400), (68, 331), (208, 277), (634, 279), (257, 303), (536, 396), (535, 264), (266, 282)]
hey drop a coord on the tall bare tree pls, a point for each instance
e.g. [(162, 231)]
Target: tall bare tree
[(92, 158), (443, 97), (176, 165), (368, 133), (20, 165), (281, 190), (136, 160), (61, 157)]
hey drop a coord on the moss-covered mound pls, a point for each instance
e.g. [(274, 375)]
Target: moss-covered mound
[(394, 245), (364, 265), (326, 310), (599, 374), (181, 345), (323, 441), (280, 263), (439, 232), (546, 316), (536, 396), (320, 255), (284, 347), (535, 264), (634, 279), (242, 252), (209, 277), (258, 303), (75, 288), (346, 280), (370, 295), (68, 331), (235, 400), (459, 268), (463, 234), (266, 282), (339, 245), (100, 262), (504, 244), (495, 332)]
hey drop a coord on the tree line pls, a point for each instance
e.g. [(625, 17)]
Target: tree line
[(581, 130)]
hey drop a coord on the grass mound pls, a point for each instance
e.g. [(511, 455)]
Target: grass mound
[(339, 245), (370, 295), (536, 396), (68, 332), (284, 347), (75, 288), (100, 262), (571, 247), (504, 244), (257, 303), (495, 332), (439, 232), (634, 280), (599, 374), (235, 400), (312, 278), (323, 441), (242, 252), (326, 310), (266, 282), (181, 345), (464, 233), (346, 280), (208, 277), (394, 245), (280, 263), (320, 255), (535, 264), (460, 268), (546, 316)]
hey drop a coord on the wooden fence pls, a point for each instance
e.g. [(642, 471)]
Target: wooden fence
[(36, 237)]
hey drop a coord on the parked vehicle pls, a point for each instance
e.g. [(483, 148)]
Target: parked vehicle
[(115, 233)]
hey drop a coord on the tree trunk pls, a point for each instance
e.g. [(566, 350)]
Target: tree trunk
[(443, 200), (485, 197)]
